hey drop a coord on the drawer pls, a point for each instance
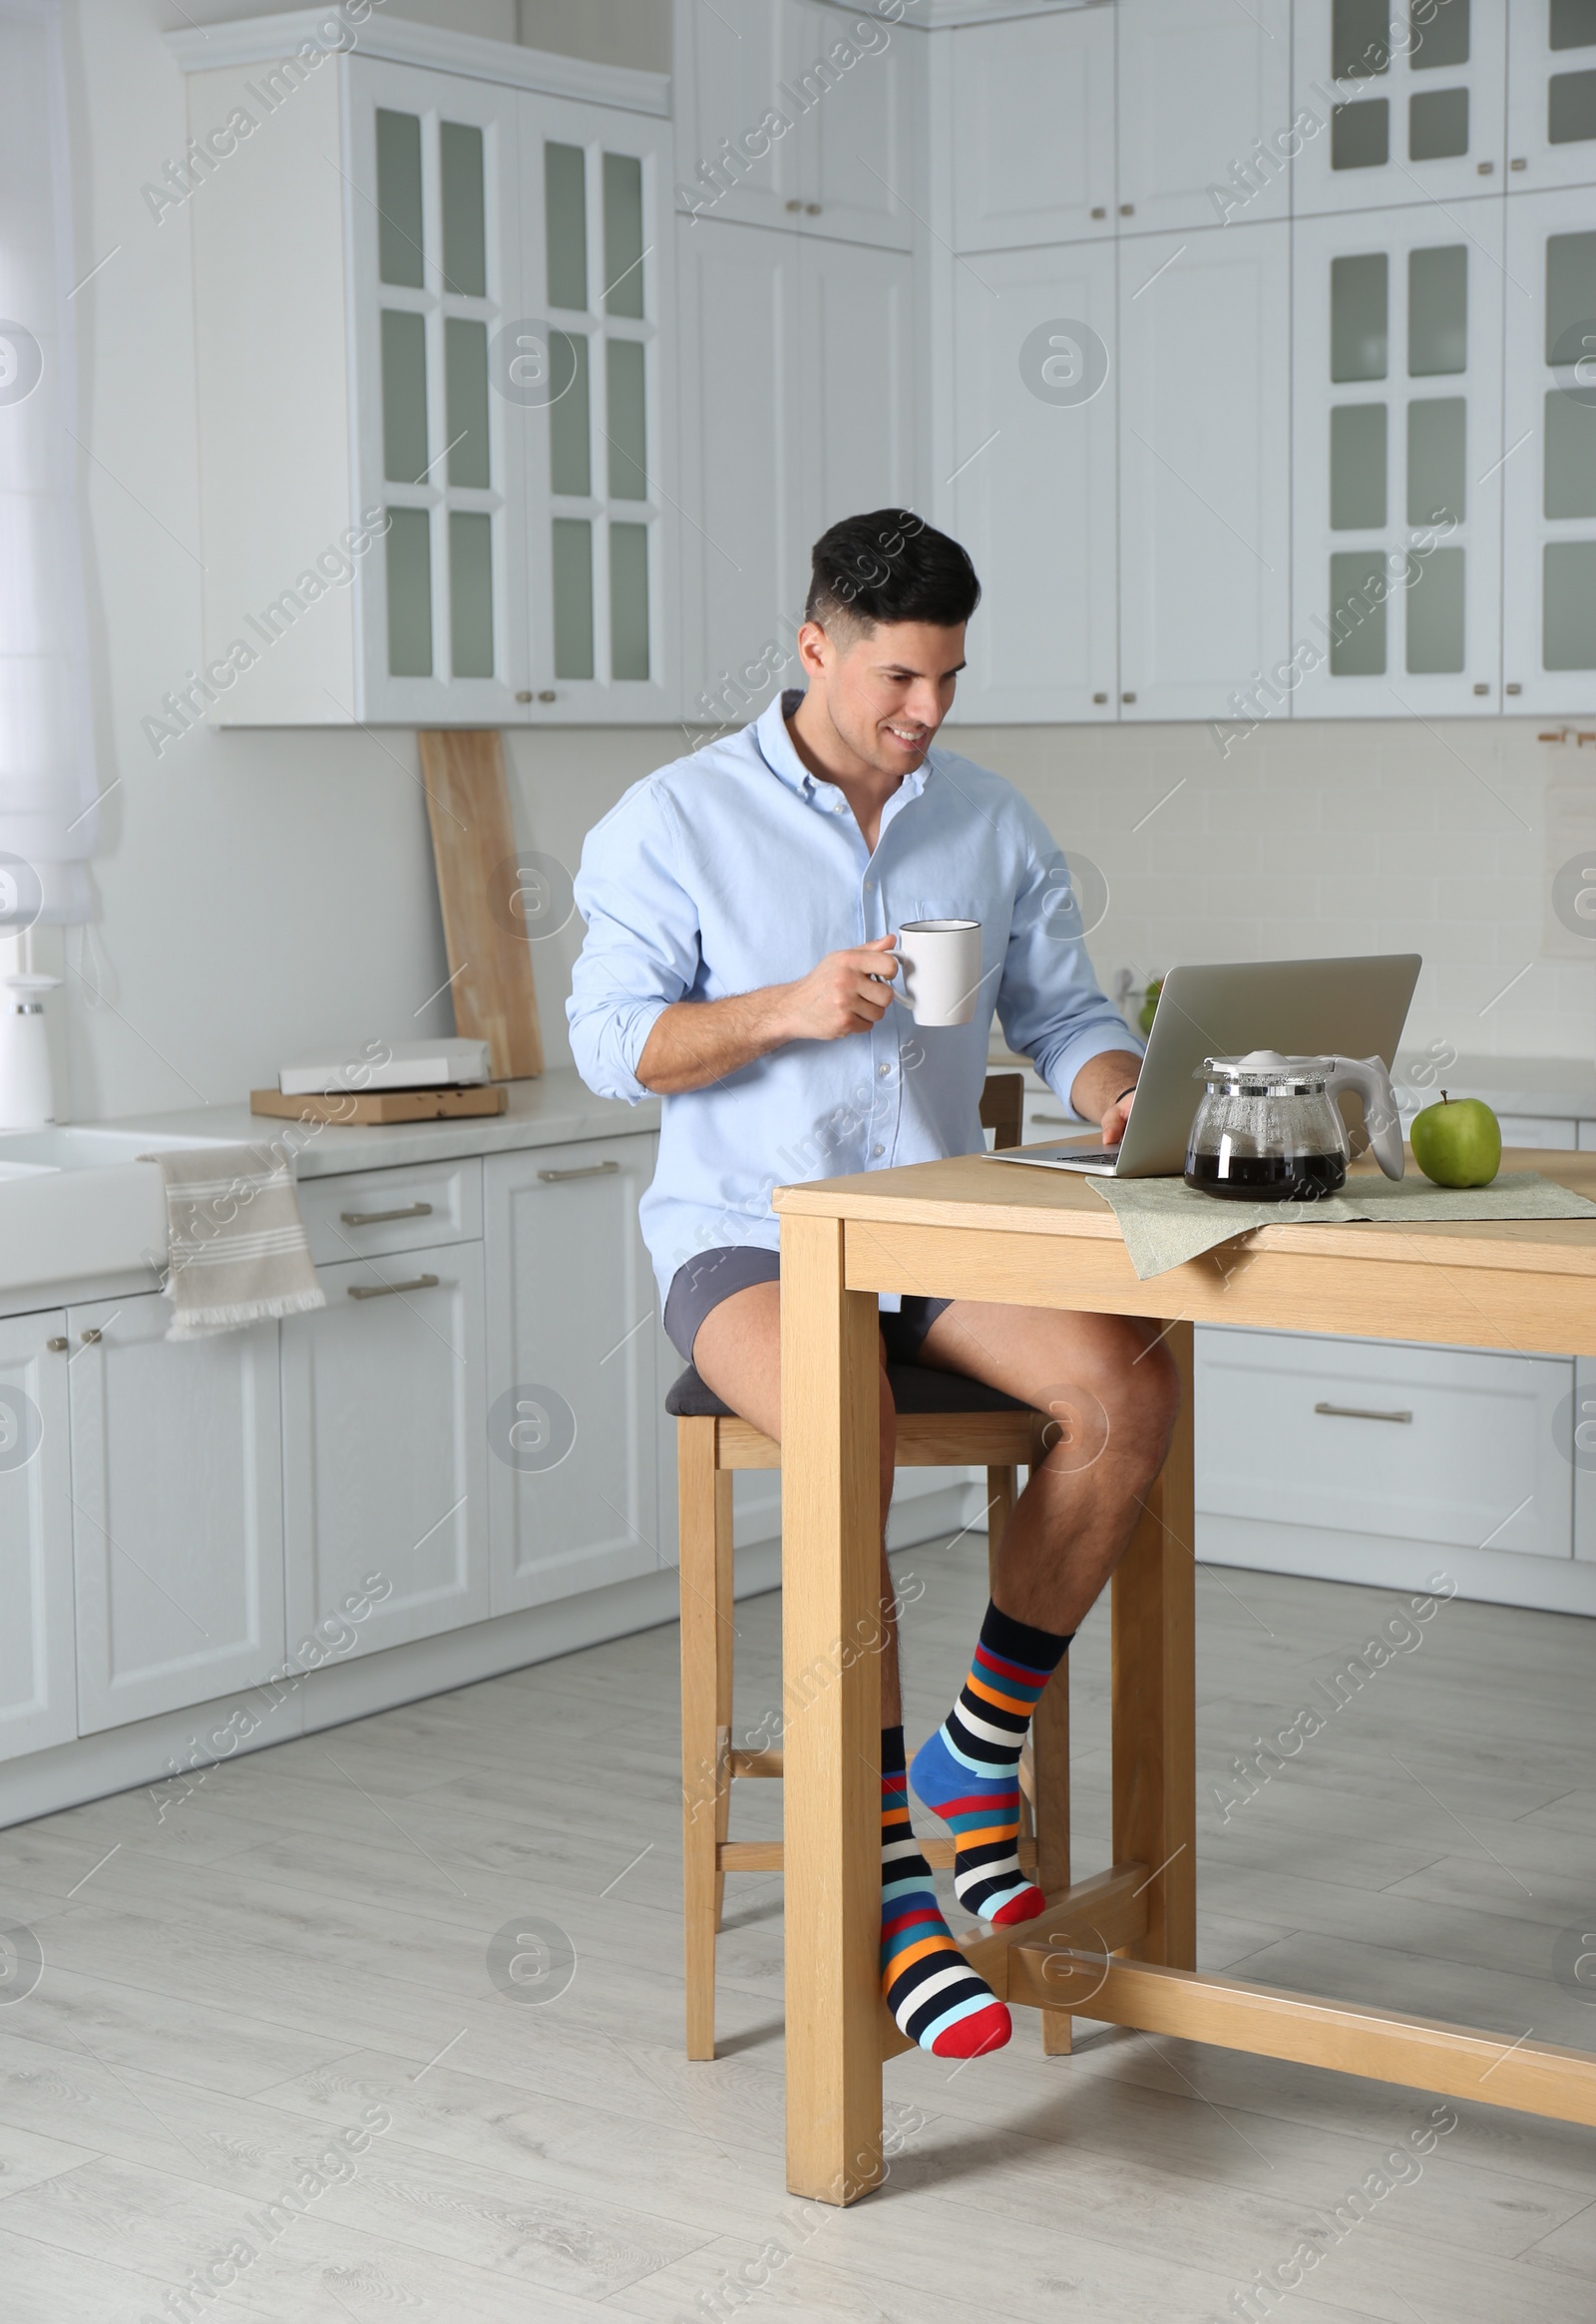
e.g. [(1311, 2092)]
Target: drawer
[(1473, 1464), (372, 1212)]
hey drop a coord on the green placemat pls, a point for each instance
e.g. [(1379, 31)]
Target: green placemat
[(1165, 1222)]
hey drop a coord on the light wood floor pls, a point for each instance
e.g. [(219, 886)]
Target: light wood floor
[(307, 1937)]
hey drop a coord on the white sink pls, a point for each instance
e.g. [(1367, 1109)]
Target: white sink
[(77, 1203)]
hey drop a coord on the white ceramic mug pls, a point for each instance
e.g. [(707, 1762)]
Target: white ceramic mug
[(940, 964)]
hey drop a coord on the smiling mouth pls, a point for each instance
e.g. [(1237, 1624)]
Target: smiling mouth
[(912, 740)]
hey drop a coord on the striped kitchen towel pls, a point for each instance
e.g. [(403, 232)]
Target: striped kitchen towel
[(238, 1243)]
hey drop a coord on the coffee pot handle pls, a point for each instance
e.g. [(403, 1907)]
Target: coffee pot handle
[(1382, 1118)]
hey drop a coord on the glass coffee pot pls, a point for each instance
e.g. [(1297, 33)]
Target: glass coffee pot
[(1269, 1129)]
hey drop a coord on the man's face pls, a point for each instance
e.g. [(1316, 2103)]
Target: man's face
[(887, 689)]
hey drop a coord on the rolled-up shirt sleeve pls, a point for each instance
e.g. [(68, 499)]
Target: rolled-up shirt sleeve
[(640, 952), (1050, 1003)]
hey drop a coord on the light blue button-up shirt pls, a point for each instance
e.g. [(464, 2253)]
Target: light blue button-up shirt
[(736, 868)]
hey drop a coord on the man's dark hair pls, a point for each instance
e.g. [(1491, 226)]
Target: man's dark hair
[(889, 566)]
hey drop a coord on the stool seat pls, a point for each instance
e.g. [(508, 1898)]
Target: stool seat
[(915, 1389)]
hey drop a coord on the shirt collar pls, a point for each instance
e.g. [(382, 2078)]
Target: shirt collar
[(780, 755)]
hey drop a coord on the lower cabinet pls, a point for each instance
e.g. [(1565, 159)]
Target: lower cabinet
[(384, 1416), (573, 1388), (38, 1681), (1453, 1445), (177, 1508)]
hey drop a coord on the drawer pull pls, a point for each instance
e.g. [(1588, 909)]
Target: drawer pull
[(383, 1291), (1358, 1412), (412, 1210), (590, 1170)]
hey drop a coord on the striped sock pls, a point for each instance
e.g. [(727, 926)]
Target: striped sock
[(970, 1769), (936, 1997)]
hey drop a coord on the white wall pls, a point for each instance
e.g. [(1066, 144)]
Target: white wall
[(267, 891)]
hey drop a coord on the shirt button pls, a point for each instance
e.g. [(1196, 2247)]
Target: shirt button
[(878, 1151), (884, 1070)]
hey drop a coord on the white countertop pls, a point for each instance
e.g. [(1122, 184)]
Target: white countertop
[(555, 1111)]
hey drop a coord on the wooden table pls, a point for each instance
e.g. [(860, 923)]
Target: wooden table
[(1122, 1946)]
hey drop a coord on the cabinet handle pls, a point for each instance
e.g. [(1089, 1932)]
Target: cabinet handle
[(590, 1170), (90, 1338), (1127, 697), (383, 1291), (1358, 1412), (1518, 163), (1514, 688), (58, 1346), (1098, 212), (798, 205), (1127, 209), (412, 1210), (812, 209)]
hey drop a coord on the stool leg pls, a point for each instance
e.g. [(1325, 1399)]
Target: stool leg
[(1045, 1811), (705, 1767), (725, 1643)]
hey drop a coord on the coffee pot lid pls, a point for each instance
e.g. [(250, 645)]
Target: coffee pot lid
[(1266, 1073)]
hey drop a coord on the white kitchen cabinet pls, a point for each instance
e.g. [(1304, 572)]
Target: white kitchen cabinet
[(1204, 112), (1204, 468), (177, 1491), (1032, 489), (38, 1677), (798, 410), (1398, 105), (1582, 1441), (1550, 476), (1397, 461), (450, 297), (384, 1418), (796, 115), (574, 1394), (1551, 94), (1454, 1446), (1031, 150)]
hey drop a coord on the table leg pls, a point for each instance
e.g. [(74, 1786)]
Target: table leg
[(1154, 1696), (831, 1690)]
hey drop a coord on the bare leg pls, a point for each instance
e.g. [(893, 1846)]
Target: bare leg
[(1113, 1394), (738, 1354)]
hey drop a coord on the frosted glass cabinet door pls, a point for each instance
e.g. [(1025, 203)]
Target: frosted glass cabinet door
[(1204, 468), (1397, 461), (1551, 94), (176, 1482), (1549, 514), (436, 287), (597, 421), (572, 1397), (1204, 113), (1033, 487), (1032, 145), (38, 1679), (1398, 101)]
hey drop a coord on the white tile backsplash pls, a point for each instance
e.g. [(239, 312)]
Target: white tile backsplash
[(1324, 837)]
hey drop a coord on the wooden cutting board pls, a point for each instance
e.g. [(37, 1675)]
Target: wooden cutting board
[(357, 1107), (474, 849)]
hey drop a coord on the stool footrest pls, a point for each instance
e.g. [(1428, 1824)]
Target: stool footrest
[(766, 1855), (756, 1764)]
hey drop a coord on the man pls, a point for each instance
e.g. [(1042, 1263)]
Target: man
[(740, 907)]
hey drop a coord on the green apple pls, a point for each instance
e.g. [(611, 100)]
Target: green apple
[(1457, 1145)]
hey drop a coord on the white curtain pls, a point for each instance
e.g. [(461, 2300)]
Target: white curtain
[(48, 786)]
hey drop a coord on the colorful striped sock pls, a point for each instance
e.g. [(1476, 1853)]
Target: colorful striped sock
[(936, 1997), (970, 1769)]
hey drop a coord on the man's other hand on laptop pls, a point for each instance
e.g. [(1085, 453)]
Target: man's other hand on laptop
[(1105, 1091)]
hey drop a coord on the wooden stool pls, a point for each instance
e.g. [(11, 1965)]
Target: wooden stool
[(945, 1421)]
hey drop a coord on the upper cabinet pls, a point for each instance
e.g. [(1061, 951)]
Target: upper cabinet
[(1204, 99), (1400, 101), (791, 113), (1030, 145), (1399, 461), (447, 301), (1551, 94), (1204, 468), (1549, 530)]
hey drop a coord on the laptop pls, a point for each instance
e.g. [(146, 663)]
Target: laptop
[(1304, 1009)]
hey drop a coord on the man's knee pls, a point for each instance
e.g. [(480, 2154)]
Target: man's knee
[(1146, 1404)]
